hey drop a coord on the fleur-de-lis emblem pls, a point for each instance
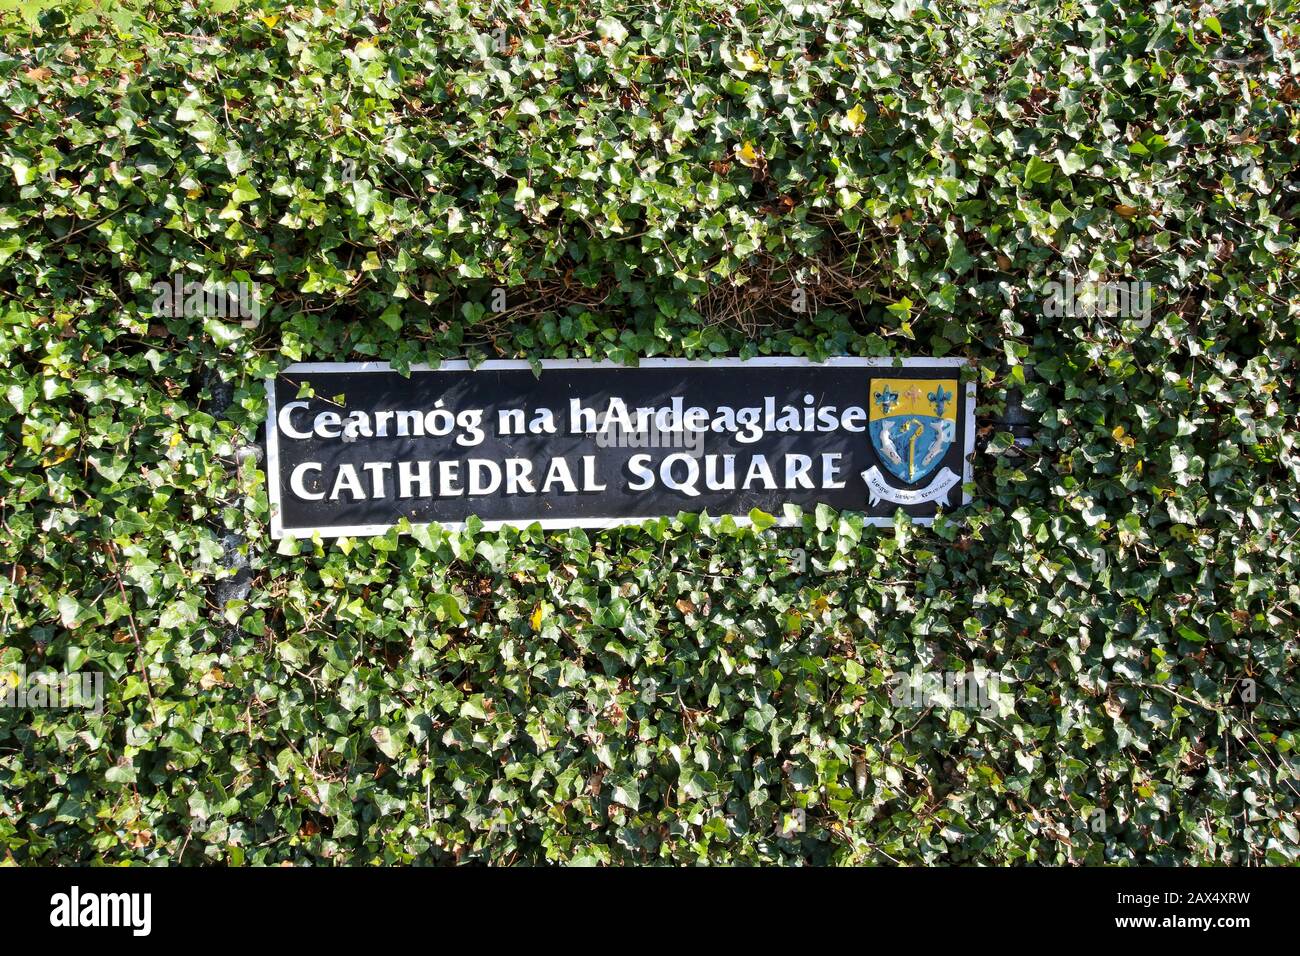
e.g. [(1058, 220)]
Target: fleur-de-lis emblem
[(940, 397), (886, 399)]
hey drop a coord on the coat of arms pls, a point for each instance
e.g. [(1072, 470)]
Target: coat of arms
[(913, 423)]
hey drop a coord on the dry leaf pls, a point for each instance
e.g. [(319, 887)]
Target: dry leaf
[(747, 155), (1113, 706)]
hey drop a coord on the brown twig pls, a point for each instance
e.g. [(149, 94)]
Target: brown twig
[(130, 617)]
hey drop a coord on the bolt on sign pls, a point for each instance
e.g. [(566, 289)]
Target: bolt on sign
[(354, 447)]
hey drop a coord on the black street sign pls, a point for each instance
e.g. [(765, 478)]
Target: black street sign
[(354, 447)]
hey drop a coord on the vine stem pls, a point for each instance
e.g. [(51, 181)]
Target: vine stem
[(130, 617)]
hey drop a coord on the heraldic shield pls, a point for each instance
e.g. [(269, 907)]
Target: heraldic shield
[(913, 422)]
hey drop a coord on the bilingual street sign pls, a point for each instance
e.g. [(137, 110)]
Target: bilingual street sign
[(354, 447)]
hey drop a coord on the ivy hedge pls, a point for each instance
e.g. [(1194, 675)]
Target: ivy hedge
[(648, 179)]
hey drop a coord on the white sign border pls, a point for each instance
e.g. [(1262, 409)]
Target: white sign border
[(278, 531)]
